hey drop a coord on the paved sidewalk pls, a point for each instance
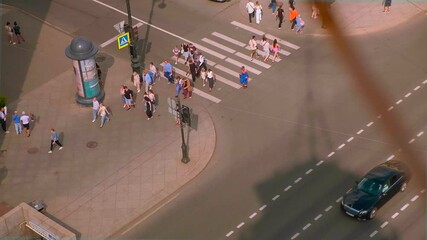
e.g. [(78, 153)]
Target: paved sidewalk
[(355, 17), (135, 165)]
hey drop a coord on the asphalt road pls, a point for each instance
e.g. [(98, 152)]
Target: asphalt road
[(292, 116)]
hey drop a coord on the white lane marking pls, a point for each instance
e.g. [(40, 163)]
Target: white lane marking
[(149, 215), (262, 208), (416, 88), (419, 134), (228, 82), (319, 163), (331, 154), (252, 215), (306, 226), (283, 42), (373, 233), (227, 70), (261, 54), (341, 146), (422, 191), (395, 215), (348, 190), (211, 52), (114, 39), (338, 200), (248, 58), (408, 94), (229, 233), (414, 198), (411, 141), (298, 179), (205, 95), (294, 236), (241, 224), (391, 157), (228, 39), (275, 197), (369, 124), (425, 81), (287, 188), (250, 29), (328, 208), (350, 139), (218, 45), (360, 131), (399, 102), (239, 64), (309, 171), (384, 224), (318, 217), (390, 108), (404, 207), (379, 116)]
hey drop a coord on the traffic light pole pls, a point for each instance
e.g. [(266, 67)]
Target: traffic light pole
[(185, 158), (136, 66)]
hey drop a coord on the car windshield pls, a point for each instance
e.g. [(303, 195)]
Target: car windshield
[(370, 186)]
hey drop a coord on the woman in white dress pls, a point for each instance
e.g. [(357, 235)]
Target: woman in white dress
[(266, 48), (258, 12)]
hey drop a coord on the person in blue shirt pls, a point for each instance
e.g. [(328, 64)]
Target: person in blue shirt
[(167, 71), (244, 77), (147, 80), (54, 139), (17, 121)]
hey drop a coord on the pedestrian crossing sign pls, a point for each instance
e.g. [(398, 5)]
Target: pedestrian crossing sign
[(123, 40)]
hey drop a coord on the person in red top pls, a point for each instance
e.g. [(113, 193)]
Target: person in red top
[(293, 14)]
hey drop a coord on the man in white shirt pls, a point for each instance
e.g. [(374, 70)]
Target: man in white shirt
[(3, 114), (250, 7), (25, 119), (253, 47), (95, 109)]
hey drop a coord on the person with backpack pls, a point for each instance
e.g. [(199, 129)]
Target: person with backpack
[(17, 31)]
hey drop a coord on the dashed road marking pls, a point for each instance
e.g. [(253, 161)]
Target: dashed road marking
[(373, 233), (287, 188), (252, 215), (275, 197), (309, 171), (369, 124), (298, 179), (360, 131), (319, 163), (419, 134), (425, 81), (384, 224), (395, 215), (229, 233), (422, 191), (379, 116), (390, 108), (411, 141), (306, 226), (416, 88), (328, 208), (294, 236), (391, 157), (263, 207), (241, 224), (338, 200), (399, 102), (414, 198), (331, 154), (341, 146), (318, 217), (408, 94), (404, 207), (250, 29), (350, 139)]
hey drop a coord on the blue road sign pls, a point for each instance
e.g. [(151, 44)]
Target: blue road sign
[(123, 40)]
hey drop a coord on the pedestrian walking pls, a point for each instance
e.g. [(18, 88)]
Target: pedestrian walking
[(148, 107), (266, 48), (293, 14), (3, 114), (176, 51), (244, 77), (300, 24), (153, 72), (387, 5), (273, 5), (203, 76), (122, 95), (104, 114), (54, 139), (253, 47), (153, 99), (178, 86), (167, 71), (292, 3), (128, 94), (192, 69), (275, 48), (95, 109), (187, 88), (17, 31), (314, 10), (185, 52), (17, 122), (9, 32), (148, 81), (258, 12), (201, 63), (250, 8), (280, 15), (211, 79), (136, 81), (25, 120)]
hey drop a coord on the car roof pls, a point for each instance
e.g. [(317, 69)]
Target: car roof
[(383, 172)]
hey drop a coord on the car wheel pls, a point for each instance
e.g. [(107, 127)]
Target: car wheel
[(373, 213), (403, 187)]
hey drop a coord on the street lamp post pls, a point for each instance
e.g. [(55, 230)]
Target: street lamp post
[(184, 148), (136, 66)]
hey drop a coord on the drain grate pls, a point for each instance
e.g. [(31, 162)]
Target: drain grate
[(92, 144)]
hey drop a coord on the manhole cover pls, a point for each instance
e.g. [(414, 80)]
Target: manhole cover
[(33, 150), (100, 59), (92, 144)]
